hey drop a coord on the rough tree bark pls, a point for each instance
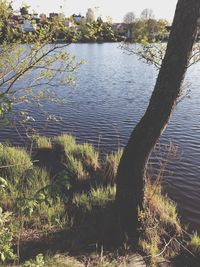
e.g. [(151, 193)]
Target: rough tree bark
[(132, 167)]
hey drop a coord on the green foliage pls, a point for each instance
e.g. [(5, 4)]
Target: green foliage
[(47, 216), (5, 13), (32, 190), (3, 184), (98, 197), (23, 54), (40, 201), (80, 159), (60, 260), (93, 260), (43, 142), (148, 30), (75, 168), (14, 162), (96, 32), (87, 155), (102, 196), (6, 237), (66, 142), (38, 262)]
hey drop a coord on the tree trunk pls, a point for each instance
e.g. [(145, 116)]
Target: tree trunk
[(132, 167)]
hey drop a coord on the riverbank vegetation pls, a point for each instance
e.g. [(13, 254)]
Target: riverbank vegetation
[(59, 202), (63, 200), (26, 27)]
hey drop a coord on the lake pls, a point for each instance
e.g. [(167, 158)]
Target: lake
[(112, 93)]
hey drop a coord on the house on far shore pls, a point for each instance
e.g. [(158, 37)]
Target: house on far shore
[(77, 18), (52, 16), (27, 27), (121, 29), (68, 23)]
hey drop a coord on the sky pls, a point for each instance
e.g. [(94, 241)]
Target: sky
[(116, 9)]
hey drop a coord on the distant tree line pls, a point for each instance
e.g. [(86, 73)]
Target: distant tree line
[(146, 28), (78, 28)]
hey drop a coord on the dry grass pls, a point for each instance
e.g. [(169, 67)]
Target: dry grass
[(160, 225), (111, 165)]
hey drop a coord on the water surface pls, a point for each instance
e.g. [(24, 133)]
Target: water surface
[(111, 96)]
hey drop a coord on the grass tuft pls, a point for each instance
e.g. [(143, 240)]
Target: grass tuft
[(43, 142), (160, 225), (87, 155), (14, 162), (65, 142), (194, 244), (75, 168), (98, 197), (111, 165)]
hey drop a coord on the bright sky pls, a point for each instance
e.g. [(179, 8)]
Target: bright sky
[(116, 9)]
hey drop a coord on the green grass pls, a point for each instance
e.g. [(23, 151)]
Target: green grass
[(194, 244), (75, 168), (87, 208), (14, 162), (87, 155), (102, 196), (62, 260), (162, 207), (43, 142), (65, 142), (98, 197), (47, 216)]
